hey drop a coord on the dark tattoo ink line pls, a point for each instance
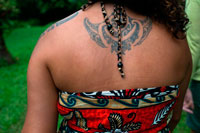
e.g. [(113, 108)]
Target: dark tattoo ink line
[(66, 19), (50, 28), (133, 34), (146, 30), (60, 23), (93, 31)]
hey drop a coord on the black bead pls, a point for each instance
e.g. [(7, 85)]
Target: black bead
[(120, 65), (111, 32), (119, 48), (104, 15), (109, 26), (119, 56), (121, 71)]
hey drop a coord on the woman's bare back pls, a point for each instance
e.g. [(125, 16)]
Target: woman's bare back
[(76, 54), (81, 58)]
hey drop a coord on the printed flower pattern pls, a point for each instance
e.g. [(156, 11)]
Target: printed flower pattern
[(117, 125)]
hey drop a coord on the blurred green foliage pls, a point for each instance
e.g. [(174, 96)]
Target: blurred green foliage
[(47, 10), (35, 12), (8, 12)]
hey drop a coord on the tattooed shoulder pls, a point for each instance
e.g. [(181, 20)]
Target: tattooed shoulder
[(133, 34), (65, 20)]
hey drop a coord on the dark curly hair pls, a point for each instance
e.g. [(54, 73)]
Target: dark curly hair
[(168, 12)]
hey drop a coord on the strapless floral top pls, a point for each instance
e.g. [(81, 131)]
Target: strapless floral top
[(140, 110)]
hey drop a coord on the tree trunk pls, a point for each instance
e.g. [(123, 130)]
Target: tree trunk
[(4, 54)]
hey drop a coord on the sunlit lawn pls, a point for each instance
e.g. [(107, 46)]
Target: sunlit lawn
[(13, 78), (13, 93)]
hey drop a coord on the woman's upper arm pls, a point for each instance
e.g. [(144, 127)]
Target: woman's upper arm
[(42, 96)]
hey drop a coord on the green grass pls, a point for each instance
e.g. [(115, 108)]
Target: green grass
[(13, 93)]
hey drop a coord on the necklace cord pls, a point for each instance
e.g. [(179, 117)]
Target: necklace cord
[(120, 18)]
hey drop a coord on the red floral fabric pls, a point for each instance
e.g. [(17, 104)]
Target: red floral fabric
[(129, 111)]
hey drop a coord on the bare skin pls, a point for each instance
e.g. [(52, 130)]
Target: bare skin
[(188, 104), (192, 131), (66, 58)]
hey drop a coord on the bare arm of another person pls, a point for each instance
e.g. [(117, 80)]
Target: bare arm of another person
[(42, 94), (188, 104), (176, 116)]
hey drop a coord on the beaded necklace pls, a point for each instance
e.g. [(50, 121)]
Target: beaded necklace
[(120, 19)]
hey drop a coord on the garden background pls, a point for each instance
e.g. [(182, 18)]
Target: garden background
[(21, 24)]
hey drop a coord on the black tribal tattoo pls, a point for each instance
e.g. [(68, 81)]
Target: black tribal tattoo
[(60, 22), (133, 34)]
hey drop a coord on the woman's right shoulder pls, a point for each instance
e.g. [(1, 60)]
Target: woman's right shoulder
[(55, 35), (177, 50), (58, 28)]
